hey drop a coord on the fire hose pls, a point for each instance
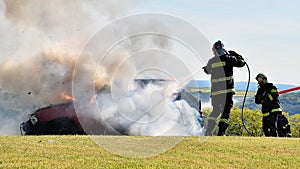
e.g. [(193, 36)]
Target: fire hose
[(244, 100), (289, 90)]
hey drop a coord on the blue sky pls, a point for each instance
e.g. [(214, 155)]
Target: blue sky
[(265, 32)]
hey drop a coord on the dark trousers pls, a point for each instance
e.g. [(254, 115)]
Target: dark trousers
[(222, 105), (283, 126), (269, 124)]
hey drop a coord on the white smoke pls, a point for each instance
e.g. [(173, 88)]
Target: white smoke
[(152, 111)]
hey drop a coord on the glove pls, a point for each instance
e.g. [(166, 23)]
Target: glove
[(233, 53), (265, 97), (239, 57), (259, 98), (204, 68)]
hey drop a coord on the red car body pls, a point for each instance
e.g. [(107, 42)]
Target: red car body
[(54, 119)]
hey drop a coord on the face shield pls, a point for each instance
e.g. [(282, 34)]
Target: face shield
[(218, 49)]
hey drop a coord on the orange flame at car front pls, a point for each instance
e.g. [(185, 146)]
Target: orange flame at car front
[(67, 97)]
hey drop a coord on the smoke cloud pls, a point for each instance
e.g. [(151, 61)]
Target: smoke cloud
[(42, 43), (152, 112)]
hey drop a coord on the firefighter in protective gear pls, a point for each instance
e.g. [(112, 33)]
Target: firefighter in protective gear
[(283, 126), (220, 67), (267, 95)]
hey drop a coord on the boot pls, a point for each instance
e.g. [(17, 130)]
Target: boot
[(222, 128), (288, 129)]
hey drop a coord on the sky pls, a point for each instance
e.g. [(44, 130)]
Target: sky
[(265, 32)]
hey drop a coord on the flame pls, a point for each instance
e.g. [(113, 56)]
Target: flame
[(67, 97), (93, 99)]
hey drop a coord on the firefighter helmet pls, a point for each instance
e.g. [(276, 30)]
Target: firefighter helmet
[(261, 75), (218, 49), (261, 78), (218, 45)]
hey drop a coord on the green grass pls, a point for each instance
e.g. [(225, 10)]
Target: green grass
[(237, 92), (215, 152)]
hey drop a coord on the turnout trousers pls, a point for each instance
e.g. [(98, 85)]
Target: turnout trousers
[(269, 124), (222, 105)]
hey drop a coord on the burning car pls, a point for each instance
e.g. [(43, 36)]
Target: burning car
[(62, 118), (54, 119)]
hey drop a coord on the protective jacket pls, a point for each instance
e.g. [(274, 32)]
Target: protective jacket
[(267, 95), (221, 70)]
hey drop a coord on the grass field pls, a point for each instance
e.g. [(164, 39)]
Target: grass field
[(237, 92), (215, 152)]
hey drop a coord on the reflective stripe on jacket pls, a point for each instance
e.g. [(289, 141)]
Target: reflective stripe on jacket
[(221, 70), (272, 111)]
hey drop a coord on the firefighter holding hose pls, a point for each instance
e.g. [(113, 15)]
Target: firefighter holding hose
[(267, 96), (220, 67)]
